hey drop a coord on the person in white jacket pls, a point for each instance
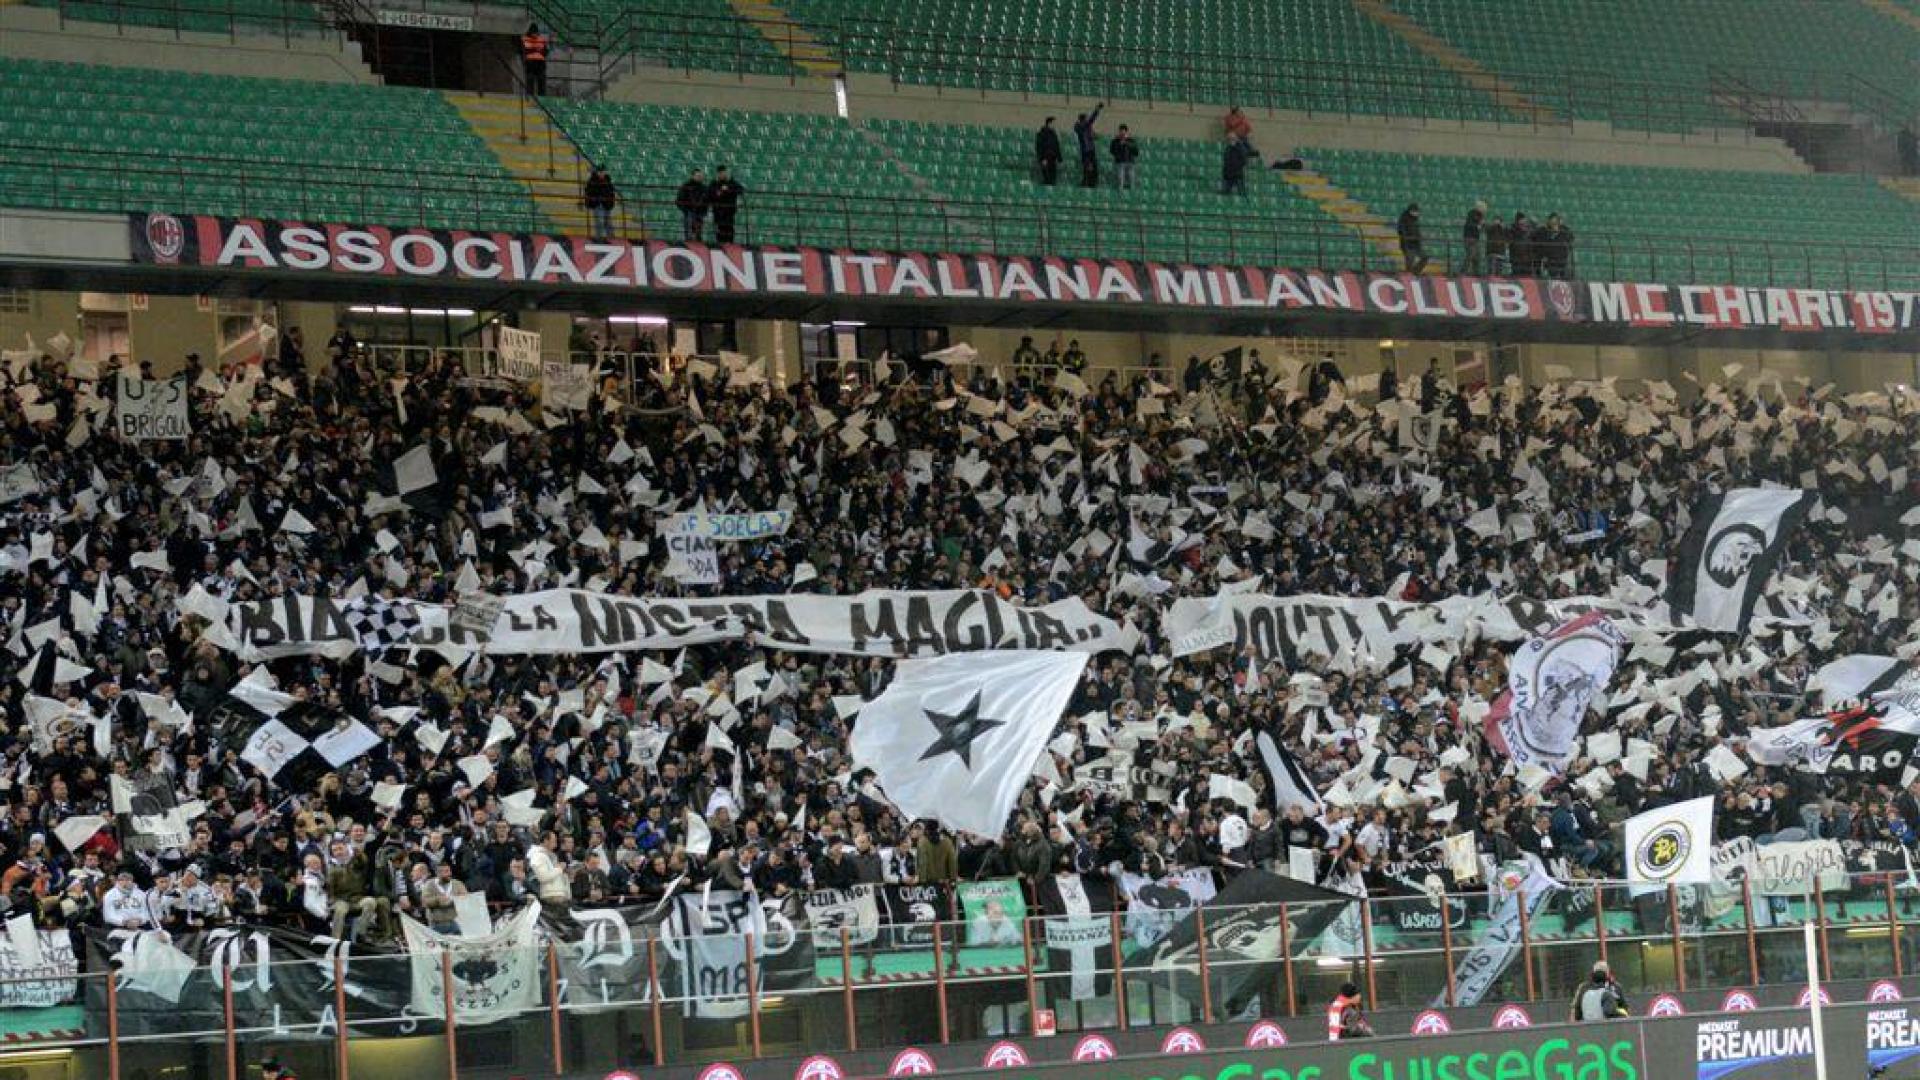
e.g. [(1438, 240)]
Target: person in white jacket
[(125, 905)]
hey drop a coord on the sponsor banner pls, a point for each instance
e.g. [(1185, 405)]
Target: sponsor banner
[(1893, 1036), (661, 266), (1753, 1045), (152, 409), (573, 621)]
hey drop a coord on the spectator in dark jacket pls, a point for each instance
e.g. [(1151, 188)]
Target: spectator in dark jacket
[(600, 196), (835, 870), (1554, 247), (1412, 247), (1470, 239), (1125, 152), (723, 197), (1046, 152), (1520, 242), (1089, 146), (692, 201), (1233, 165), (1499, 258)]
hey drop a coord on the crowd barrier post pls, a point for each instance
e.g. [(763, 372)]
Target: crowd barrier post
[(1446, 946), (753, 998), (1026, 948), (1820, 913), (1286, 961), (1119, 974), (1673, 925), (846, 989), (113, 1027), (940, 980), (553, 1007), (339, 1012), (1206, 984), (1893, 929), (653, 995), (1366, 951), (1526, 947), (226, 1014), (451, 1025), (1599, 920), (1753, 942)]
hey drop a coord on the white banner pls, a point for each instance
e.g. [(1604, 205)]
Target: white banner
[(17, 482), (692, 559), (565, 386), (757, 525), (153, 409), (519, 355), (1289, 628), (893, 623), (37, 982), (494, 977)]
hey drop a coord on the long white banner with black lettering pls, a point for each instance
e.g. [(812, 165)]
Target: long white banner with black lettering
[(572, 621)]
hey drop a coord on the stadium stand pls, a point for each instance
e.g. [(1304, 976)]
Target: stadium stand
[(249, 146), (1661, 224), (1690, 48)]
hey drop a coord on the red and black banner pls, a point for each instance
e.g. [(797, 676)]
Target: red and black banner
[(663, 267)]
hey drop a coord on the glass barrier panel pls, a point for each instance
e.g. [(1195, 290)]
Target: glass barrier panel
[(389, 1032)]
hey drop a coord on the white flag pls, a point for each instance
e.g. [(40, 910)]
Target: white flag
[(1672, 845), (955, 738), (1551, 682)]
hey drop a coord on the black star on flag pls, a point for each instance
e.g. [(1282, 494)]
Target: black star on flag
[(922, 750), (958, 731)]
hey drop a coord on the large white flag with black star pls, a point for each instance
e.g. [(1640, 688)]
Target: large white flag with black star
[(1727, 555), (955, 738)]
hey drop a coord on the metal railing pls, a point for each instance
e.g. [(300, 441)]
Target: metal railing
[(429, 197), (831, 989)]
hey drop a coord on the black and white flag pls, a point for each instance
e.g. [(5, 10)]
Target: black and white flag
[(1287, 780), (1727, 555), (910, 912), (1079, 932), (1875, 739), (379, 624), (954, 739), (1859, 677)]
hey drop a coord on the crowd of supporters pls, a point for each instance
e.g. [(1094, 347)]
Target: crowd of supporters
[(866, 459)]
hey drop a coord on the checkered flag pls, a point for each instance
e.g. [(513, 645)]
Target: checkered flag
[(379, 624)]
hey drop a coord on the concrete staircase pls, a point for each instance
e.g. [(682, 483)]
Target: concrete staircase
[(792, 40), (533, 151), (1442, 52), (1349, 211), (1904, 186)]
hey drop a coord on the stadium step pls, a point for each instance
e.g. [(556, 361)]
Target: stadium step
[(787, 37), (1905, 16), (533, 151), (1347, 210), (1442, 52)]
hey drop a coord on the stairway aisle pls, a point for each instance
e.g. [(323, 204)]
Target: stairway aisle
[(1442, 52), (1348, 211), (788, 37), (533, 151)]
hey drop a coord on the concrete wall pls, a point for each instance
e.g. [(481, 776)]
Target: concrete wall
[(37, 33)]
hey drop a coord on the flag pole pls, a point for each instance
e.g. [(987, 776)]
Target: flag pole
[(1813, 997)]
